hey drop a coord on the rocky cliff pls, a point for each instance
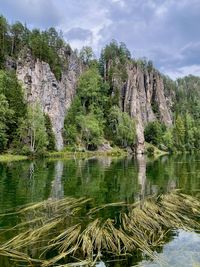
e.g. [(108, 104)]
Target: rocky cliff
[(141, 94), (41, 86), (143, 97)]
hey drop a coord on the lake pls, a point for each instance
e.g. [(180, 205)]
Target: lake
[(107, 180)]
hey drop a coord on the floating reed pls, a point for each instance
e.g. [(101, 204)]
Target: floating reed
[(56, 232)]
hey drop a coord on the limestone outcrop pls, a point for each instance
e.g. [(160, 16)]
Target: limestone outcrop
[(142, 94), (40, 85), (143, 97)]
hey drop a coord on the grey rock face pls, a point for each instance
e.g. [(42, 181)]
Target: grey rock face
[(142, 94), (40, 85), (143, 98)]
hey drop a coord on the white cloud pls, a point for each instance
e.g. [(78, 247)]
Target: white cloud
[(183, 71)]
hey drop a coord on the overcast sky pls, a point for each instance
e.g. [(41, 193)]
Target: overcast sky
[(165, 31)]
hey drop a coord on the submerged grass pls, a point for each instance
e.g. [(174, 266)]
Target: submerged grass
[(56, 232)]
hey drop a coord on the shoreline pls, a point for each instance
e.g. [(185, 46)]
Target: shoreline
[(116, 152)]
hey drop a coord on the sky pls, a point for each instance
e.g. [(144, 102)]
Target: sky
[(164, 31)]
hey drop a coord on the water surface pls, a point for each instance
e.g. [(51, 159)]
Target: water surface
[(106, 180)]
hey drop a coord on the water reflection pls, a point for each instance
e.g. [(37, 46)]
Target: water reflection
[(103, 179)]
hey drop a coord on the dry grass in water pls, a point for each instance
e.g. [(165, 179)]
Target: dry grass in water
[(55, 232)]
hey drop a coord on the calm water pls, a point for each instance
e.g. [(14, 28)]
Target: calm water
[(106, 180)]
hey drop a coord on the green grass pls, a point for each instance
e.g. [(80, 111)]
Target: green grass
[(156, 152), (10, 157), (116, 152)]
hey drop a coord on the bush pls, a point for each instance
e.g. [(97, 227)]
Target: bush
[(153, 132), (122, 127), (150, 151)]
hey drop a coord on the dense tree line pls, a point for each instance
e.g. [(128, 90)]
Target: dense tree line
[(184, 135), (23, 129)]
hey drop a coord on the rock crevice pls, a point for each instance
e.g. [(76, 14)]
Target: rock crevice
[(144, 100), (41, 86)]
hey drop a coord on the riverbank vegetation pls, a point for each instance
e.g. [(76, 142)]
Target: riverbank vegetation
[(52, 232), (11, 158)]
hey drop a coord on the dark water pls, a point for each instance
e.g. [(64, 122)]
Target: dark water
[(107, 180)]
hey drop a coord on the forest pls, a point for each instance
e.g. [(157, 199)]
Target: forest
[(95, 115)]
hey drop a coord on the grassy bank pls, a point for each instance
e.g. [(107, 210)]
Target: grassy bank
[(116, 152), (10, 157), (152, 150)]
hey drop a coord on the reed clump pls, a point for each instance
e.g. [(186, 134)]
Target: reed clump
[(57, 232)]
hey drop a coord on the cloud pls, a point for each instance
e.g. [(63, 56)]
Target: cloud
[(165, 31), (183, 71), (78, 34), (36, 13)]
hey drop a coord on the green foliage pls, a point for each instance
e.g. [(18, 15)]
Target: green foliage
[(5, 113), (116, 51), (113, 60), (3, 40), (188, 96), (50, 134), (122, 127), (71, 134), (185, 93), (91, 89), (92, 116), (84, 122), (32, 132), (150, 150), (13, 93), (45, 45), (86, 54), (145, 64), (154, 132), (12, 108), (17, 31), (179, 132), (91, 130), (168, 139)]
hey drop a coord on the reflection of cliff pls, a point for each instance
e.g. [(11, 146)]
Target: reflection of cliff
[(141, 174), (57, 190), (171, 185), (105, 162)]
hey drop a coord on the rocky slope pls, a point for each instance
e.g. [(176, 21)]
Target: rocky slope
[(41, 86), (143, 97)]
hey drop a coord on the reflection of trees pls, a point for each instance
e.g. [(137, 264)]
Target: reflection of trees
[(24, 182), (109, 182), (105, 179)]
